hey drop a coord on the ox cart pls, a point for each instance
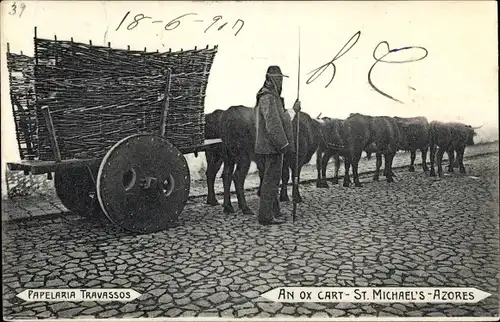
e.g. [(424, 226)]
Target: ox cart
[(112, 125)]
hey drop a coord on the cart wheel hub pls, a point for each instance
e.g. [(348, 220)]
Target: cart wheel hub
[(148, 183)]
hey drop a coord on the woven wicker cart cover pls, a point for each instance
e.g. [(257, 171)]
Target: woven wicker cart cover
[(22, 98), (99, 95)]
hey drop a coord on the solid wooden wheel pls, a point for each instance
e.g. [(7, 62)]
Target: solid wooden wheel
[(76, 189), (143, 183)]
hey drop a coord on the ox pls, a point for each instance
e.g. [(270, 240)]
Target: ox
[(358, 133), (236, 128), (449, 137), (415, 131), (326, 151)]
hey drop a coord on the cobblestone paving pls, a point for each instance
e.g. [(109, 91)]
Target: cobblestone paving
[(418, 231)]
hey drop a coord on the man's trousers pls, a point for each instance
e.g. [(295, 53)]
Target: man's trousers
[(269, 207)]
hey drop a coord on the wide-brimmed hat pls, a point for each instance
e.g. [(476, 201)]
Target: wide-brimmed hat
[(275, 71)]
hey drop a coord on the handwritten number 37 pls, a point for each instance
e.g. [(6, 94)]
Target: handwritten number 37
[(15, 10)]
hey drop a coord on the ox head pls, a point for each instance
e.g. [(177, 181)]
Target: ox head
[(471, 133)]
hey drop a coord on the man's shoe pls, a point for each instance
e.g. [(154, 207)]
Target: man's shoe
[(274, 221)]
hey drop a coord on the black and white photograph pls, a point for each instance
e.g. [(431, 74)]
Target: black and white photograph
[(250, 160)]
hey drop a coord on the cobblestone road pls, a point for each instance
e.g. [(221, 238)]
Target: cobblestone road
[(418, 231)]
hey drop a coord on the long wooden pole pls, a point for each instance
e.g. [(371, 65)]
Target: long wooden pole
[(295, 178)]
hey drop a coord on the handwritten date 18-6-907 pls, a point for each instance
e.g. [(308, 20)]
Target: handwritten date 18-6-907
[(216, 22), (382, 59)]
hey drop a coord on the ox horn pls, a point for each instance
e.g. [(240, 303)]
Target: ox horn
[(319, 115), (477, 127)]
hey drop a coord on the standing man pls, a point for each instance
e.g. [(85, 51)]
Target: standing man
[(274, 137)]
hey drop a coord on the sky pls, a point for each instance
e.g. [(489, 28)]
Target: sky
[(452, 76)]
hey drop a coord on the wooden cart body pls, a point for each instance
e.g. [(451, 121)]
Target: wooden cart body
[(113, 126)]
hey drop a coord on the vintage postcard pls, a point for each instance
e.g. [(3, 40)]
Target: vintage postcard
[(281, 160)]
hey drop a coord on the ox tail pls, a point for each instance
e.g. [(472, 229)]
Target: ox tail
[(368, 155)]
